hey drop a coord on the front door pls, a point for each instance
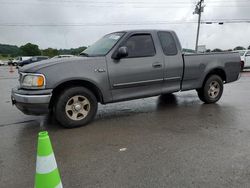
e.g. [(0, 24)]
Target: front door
[(140, 74)]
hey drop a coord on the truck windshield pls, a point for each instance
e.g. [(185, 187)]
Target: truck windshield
[(103, 46)]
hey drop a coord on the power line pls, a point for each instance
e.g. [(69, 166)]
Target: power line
[(227, 6), (225, 21), (134, 6), (94, 3), (229, 1), (90, 24), (114, 2), (98, 2), (122, 2), (122, 23)]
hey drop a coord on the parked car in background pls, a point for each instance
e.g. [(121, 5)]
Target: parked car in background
[(1, 63), (17, 60), (245, 58), (32, 60), (10, 62), (62, 56)]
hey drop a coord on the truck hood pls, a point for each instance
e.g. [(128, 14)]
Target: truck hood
[(35, 67)]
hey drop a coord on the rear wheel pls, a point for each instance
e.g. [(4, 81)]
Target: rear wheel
[(212, 90), (75, 107)]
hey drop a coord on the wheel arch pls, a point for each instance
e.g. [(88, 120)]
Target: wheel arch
[(76, 82), (217, 71)]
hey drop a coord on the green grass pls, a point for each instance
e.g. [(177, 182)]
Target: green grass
[(4, 58)]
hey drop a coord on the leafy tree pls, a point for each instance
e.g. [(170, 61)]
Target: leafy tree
[(248, 47), (217, 50), (186, 50), (30, 49), (10, 50), (4, 55), (50, 52), (72, 51), (77, 51), (208, 50), (229, 50), (239, 48)]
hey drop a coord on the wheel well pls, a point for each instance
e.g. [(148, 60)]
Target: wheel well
[(219, 72), (93, 88)]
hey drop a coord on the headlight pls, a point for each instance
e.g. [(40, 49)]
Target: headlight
[(33, 81)]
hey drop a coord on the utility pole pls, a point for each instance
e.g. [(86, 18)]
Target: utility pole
[(199, 8)]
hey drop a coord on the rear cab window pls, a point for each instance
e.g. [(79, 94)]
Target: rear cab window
[(168, 43)]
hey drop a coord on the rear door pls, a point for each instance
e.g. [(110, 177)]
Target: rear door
[(139, 74), (173, 69)]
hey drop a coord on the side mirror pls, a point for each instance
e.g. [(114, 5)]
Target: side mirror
[(121, 52)]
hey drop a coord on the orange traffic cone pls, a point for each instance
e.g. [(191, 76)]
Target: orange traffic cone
[(11, 69)]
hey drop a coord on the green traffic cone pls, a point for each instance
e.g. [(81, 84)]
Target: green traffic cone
[(47, 174)]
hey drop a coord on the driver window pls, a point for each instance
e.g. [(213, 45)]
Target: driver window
[(140, 45)]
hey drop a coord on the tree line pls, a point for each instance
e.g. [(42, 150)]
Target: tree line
[(220, 50), (30, 49), (217, 49)]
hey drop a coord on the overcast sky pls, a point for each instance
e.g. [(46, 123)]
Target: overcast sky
[(74, 23)]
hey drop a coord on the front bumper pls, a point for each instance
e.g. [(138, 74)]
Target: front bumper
[(31, 102)]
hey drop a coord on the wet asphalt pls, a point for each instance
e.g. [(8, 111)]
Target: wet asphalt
[(170, 141)]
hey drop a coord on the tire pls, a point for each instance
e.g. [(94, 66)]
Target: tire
[(75, 107), (212, 90)]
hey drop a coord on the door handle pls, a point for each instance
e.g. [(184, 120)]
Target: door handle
[(100, 70), (157, 65)]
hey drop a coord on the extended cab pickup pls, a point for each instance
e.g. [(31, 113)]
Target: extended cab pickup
[(121, 66)]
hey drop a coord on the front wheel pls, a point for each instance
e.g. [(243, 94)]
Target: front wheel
[(212, 90), (75, 107)]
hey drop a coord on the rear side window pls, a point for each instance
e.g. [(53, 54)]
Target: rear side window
[(140, 46), (167, 43)]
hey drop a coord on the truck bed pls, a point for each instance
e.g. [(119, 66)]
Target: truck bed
[(197, 66)]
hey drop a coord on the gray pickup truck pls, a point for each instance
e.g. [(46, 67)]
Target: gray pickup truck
[(121, 66)]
